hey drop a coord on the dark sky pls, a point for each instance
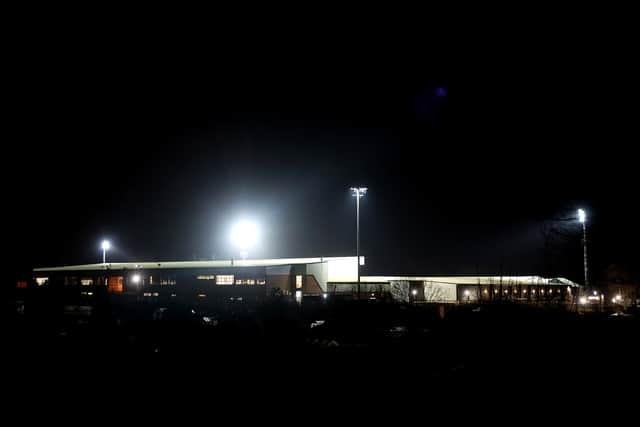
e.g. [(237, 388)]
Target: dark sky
[(466, 156)]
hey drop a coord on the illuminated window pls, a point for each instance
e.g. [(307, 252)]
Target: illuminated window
[(202, 295), (241, 282), (262, 282), (299, 297), (299, 281), (167, 282), (224, 279), (21, 285), (86, 282), (151, 280), (485, 291), (41, 280), (251, 281), (115, 284), (206, 277)]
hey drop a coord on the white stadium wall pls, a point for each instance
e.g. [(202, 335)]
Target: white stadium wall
[(440, 292), (342, 270), (320, 271)]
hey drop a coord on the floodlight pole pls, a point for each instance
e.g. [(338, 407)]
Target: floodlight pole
[(584, 244), (358, 239), (358, 192), (105, 245)]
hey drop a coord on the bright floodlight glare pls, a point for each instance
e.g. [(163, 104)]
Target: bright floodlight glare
[(583, 300), (467, 293), (106, 245), (582, 215), (359, 191), (414, 292), (135, 278), (244, 234)]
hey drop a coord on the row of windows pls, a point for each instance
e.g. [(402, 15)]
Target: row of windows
[(220, 279), (524, 291), (250, 282), (229, 279)]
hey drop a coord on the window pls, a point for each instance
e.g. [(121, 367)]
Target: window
[(251, 281), (167, 282), (151, 280), (206, 277), (262, 282), (299, 281), (86, 282), (115, 284), (224, 279), (241, 282), (41, 280)]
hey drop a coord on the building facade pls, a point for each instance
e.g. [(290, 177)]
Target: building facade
[(296, 278)]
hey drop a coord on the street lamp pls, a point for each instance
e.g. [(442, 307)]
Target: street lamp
[(105, 247), (582, 217), (357, 193), (244, 235)]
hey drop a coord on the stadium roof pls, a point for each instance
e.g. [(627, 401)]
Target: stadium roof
[(337, 274), (192, 264), (473, 280)]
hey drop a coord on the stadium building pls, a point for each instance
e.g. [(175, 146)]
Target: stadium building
[(296, 278)]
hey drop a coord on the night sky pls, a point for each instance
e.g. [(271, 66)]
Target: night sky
[(467, 159)]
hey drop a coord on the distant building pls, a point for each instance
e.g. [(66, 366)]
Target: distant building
[(620, 287), (296, 278)]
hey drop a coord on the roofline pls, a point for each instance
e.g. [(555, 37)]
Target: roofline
[(472, 280), (150, 265)]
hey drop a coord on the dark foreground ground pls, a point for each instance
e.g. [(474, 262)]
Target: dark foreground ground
[(335, 354)]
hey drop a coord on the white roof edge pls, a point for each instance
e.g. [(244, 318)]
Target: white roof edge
[(472, 280), (192, 264)]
